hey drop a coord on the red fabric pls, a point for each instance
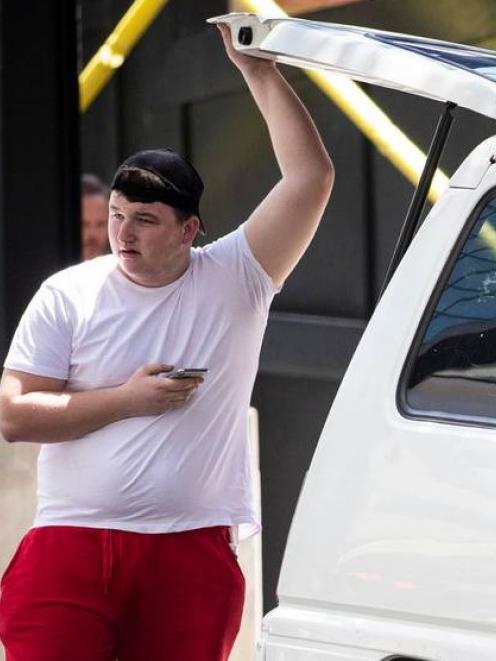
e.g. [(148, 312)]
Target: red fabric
[(85, 594)]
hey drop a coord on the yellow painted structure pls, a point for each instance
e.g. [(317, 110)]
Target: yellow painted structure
[(114, 51)]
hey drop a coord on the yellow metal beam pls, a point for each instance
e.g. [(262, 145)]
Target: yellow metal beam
[(368, 117), (114, 51)]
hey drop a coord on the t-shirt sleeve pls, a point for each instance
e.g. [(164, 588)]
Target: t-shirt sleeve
[(233, 252), (42, 342)]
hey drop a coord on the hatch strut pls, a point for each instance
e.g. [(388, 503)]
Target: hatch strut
[(412, 220)]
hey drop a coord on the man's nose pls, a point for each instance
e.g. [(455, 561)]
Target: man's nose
[(126, 231)]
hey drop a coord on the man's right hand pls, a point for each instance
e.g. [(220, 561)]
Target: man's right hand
[(40, 409), (148, 391)]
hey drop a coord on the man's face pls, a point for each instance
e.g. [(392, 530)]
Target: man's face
[(94, 239), (152, 245)]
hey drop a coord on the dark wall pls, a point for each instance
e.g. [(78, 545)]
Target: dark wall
[(39, 164), (178, 89)]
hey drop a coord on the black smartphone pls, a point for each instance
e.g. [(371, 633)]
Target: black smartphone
[(186, 373)]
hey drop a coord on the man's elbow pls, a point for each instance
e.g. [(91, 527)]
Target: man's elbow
[(10, 429), (327, 175), (322, 181), (9, 433), (321, 185)]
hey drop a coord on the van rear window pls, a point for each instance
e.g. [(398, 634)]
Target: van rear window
[(453, 375)]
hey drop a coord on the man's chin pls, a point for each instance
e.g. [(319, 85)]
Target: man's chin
[(129, 269), (134, 275)]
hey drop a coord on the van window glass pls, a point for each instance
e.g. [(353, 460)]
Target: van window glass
[(454, 373)]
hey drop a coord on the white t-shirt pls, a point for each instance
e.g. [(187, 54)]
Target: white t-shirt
[(184, 469)]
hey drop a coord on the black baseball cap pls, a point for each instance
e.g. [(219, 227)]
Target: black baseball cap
[(180, 184)]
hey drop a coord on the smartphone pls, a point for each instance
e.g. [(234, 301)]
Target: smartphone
[(186, 373)]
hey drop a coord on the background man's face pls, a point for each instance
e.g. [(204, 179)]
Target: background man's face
[(94, 237)]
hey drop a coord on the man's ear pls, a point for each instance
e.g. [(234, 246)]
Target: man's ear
[(190, 229)]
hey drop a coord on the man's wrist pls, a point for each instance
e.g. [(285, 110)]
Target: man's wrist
[(257, 67), (123, 402)]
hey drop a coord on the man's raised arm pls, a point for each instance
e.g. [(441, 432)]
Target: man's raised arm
[(282, 226)]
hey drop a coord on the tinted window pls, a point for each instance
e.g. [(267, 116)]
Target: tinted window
[(454, 373)]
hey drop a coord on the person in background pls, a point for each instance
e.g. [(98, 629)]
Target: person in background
[(94, 215)]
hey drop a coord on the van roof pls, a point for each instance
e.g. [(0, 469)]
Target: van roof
[(440, 70)]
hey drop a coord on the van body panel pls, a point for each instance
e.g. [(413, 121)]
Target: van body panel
[(289, 649), (394, 537), (439, 70), (405, 527), (473, 169), (308, 634)]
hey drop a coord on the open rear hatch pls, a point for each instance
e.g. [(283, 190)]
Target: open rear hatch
[(454, 74)]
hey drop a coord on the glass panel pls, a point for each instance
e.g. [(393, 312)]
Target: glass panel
[(455, 370)]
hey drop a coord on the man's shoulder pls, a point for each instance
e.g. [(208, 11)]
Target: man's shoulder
[(224, 244), (83, 273)]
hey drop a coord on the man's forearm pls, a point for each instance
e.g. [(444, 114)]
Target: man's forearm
[(51, 417), (296, 142)]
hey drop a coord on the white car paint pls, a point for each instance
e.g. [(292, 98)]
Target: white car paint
[(393, 544)]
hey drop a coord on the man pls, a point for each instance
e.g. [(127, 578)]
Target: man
[(143, 478), (94, 213)]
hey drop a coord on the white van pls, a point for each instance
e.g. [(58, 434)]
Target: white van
[(392, 550)]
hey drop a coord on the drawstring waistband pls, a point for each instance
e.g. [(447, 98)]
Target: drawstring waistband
[(110, 552), (108, 559)]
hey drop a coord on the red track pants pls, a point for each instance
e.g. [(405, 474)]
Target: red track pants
[(86, 594)]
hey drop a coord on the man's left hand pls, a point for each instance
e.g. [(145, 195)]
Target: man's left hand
[(247, 64)]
